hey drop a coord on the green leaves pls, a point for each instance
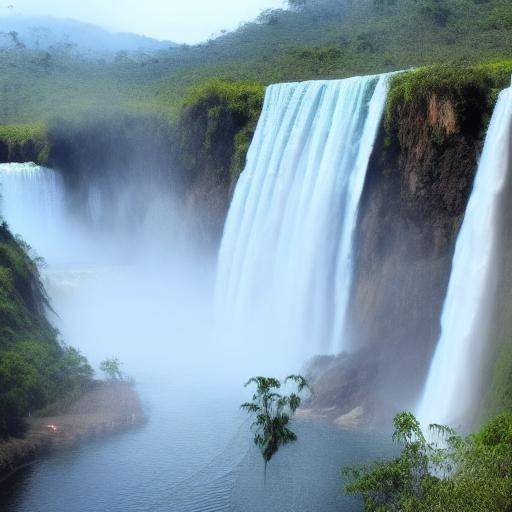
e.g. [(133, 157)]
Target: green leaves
[(441, 472), (35, 369), (273, 412), (111, 367)]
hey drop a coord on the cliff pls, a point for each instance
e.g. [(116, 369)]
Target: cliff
[(215, 129), (196, 156)]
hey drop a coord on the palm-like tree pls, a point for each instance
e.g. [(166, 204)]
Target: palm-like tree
[(273, 412)]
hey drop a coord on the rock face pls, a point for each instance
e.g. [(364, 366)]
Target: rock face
[(417, 187)]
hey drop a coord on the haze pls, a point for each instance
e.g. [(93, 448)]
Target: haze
[(188, 21)]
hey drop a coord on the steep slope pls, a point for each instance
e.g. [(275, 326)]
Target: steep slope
[(35, 368)]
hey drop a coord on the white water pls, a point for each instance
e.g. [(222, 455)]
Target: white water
[(286, 257), (32, 200), (454, 373)]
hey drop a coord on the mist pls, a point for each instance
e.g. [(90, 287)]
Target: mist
[(182, 22)]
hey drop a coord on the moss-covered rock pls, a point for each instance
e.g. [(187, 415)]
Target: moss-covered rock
[(216, 126)]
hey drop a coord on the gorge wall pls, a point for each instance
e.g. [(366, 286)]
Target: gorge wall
[(197, 155)]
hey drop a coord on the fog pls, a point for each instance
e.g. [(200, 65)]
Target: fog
[(126, 278), (173, 20)]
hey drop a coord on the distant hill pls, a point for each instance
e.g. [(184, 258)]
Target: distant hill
[(314, 39), (46, 33)]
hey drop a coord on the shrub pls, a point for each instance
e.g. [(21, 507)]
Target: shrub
[(457, 474)]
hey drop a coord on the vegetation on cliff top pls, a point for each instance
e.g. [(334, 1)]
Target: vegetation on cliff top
[(471, 89), (216, 127), (35, 369), (22, 143)]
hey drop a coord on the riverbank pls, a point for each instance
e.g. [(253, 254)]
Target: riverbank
[(107, 408)]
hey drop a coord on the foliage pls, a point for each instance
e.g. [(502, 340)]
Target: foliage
[(216, 126), (442, 472), (35, 369), (111, 367), (273, 412), (500, 392), (472, 89)]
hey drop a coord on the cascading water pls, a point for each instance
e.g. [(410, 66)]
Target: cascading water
[(285, 262), (33, 202), (455, 369)]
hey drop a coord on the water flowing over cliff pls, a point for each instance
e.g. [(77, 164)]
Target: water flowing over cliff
[(286, 257), (457, 366), (33, 202)]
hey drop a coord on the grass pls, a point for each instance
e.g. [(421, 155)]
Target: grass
[(25, 142), (470, 88)]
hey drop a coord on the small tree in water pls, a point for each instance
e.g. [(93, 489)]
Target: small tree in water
[(273, 412), (112, 368)]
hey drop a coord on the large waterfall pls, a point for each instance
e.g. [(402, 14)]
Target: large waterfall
[(286, 257), (457, 363)]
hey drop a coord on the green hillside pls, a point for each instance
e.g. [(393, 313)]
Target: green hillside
[(319, 39)]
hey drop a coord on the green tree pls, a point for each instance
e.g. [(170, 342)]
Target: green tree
[(441, 472), (111, 367), (75, 366), (273, 412)]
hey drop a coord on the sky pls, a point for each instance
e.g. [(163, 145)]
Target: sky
[(182, 21)]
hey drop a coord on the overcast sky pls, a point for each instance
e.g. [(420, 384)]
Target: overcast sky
[(183, 21)]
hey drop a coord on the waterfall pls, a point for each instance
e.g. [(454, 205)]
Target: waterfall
[(136, 218), (457, 364), (33, 203), (285, 261)]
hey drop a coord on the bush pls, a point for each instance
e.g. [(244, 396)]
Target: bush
[(456, 474)]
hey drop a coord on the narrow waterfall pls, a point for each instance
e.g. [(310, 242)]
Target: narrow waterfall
[(456, 367), (285, 261)]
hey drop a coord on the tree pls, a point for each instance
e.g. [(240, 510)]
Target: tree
[(75, 366), (441, 472), (273, 412), (112, 368)]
